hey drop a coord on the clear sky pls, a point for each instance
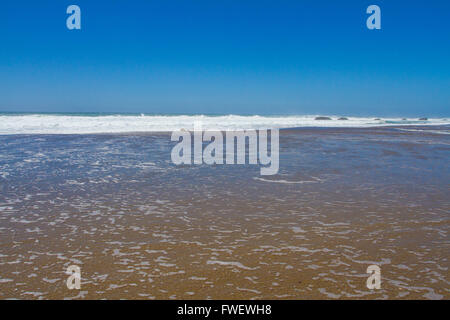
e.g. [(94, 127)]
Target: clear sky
[(226, 56)]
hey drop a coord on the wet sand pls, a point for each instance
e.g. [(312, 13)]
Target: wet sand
[(142, 228)]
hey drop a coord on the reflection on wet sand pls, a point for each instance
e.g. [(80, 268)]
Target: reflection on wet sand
[(141, 228)]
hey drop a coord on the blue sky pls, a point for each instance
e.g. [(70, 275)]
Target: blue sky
[(250, 57)]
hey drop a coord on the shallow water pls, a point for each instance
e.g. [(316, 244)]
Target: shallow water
[(140, 227)]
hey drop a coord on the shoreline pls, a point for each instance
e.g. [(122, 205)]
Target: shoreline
[(140, 227), (281, 130)]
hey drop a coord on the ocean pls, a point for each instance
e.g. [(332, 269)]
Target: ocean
[(101, 192), (87, 123)]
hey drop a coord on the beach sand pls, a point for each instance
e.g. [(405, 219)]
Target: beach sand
[(140, 227)]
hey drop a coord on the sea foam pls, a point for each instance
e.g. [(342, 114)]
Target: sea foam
[(87, 124)]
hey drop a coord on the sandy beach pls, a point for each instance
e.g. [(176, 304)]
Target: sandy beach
[(140, 227)]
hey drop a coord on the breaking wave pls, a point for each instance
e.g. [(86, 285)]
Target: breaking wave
[(120, 123)]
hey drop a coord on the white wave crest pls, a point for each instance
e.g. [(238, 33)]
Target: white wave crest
[(87, 124)]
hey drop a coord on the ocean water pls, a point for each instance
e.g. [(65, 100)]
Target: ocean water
[(12, 123), (141, 227)]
